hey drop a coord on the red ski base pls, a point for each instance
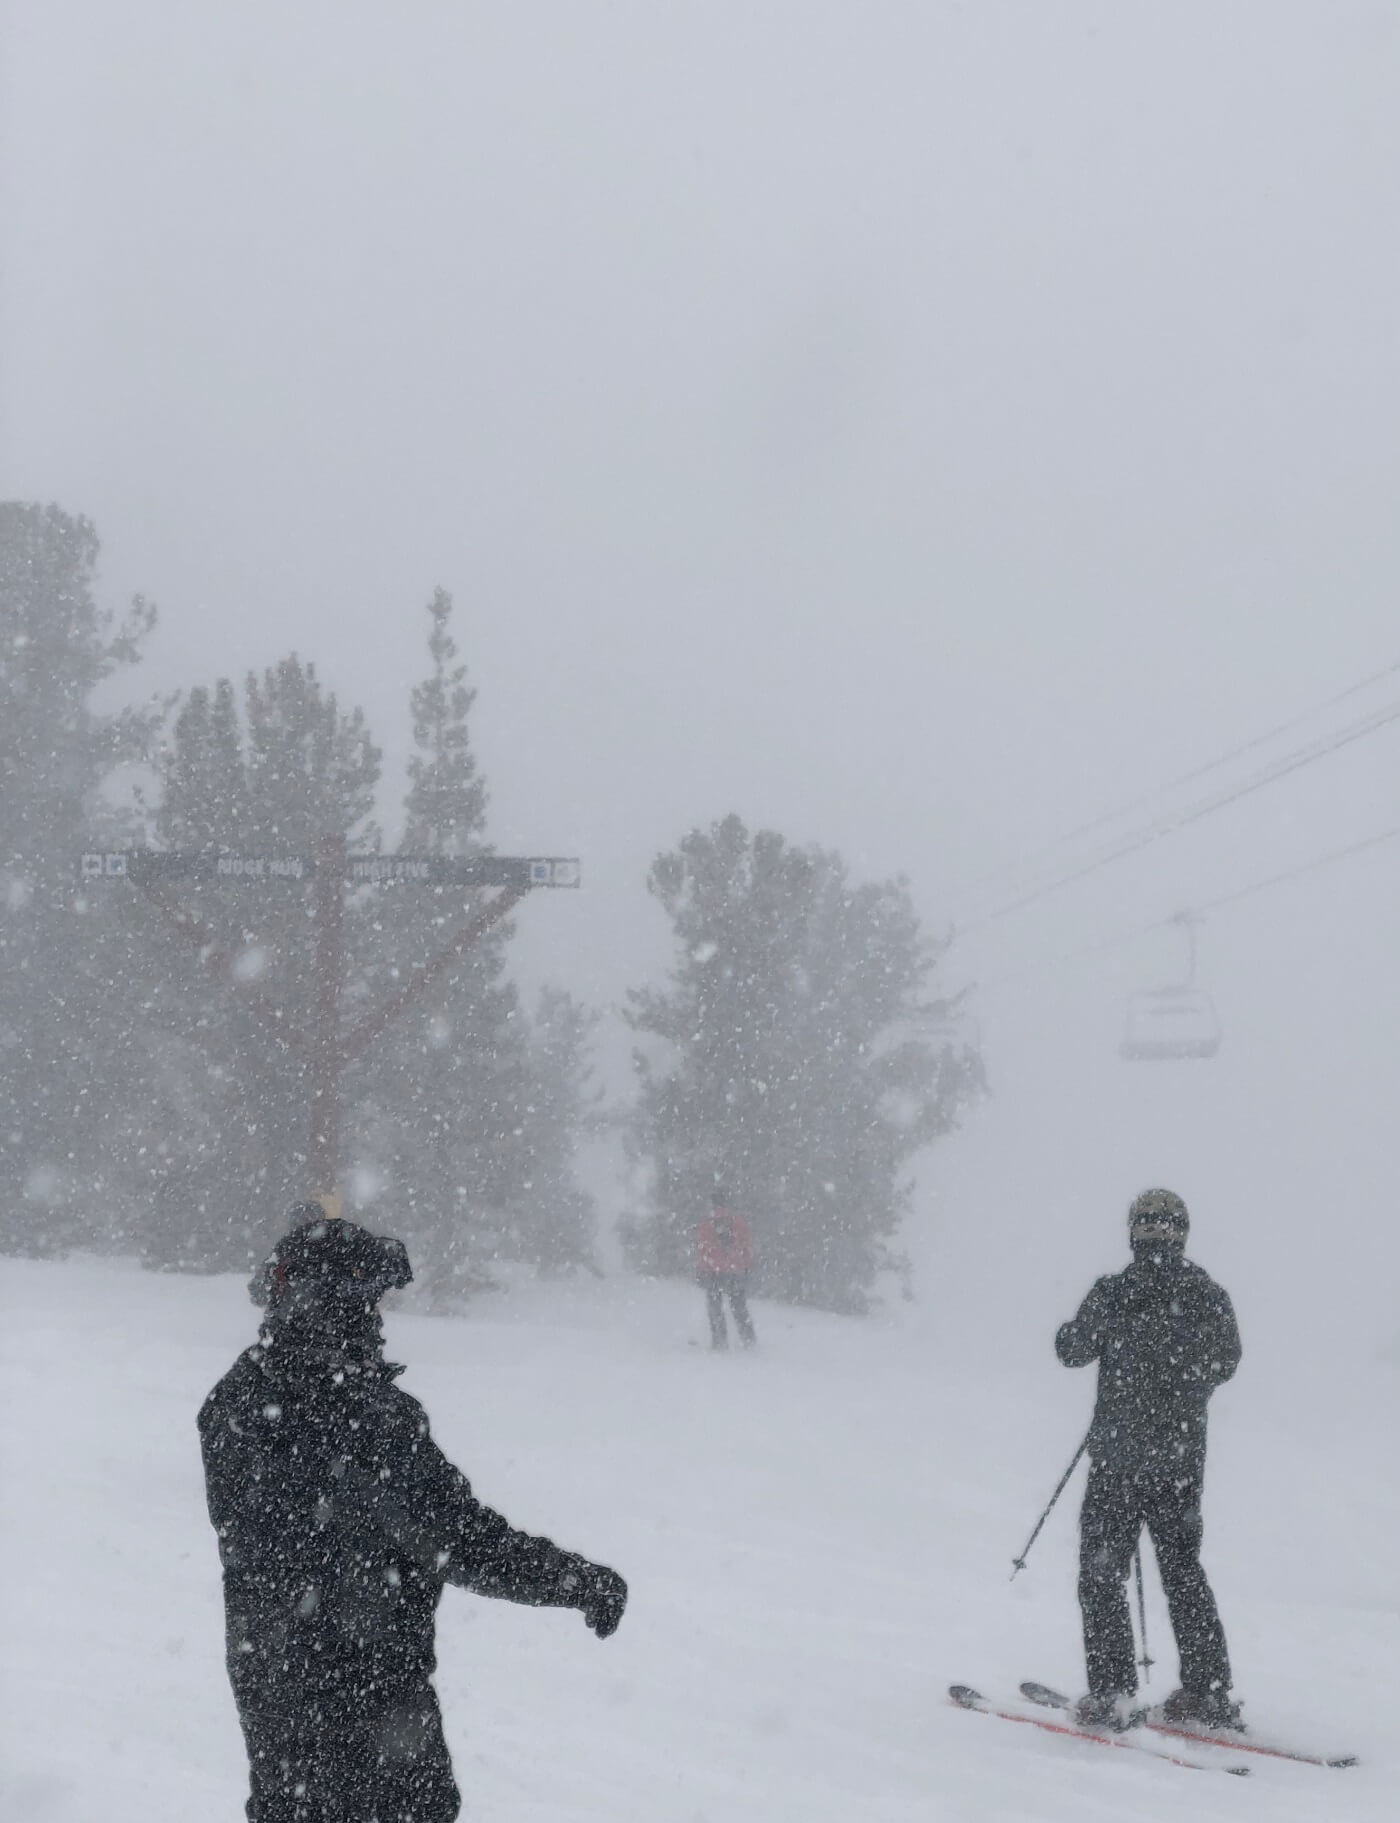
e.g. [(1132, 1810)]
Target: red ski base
[(1132, 1741), (1241, 1741)]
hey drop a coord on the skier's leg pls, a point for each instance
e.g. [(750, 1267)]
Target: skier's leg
[(1109, 1524), (1174, 1523), (714, 1305), (391, 1763), (295, 1774), (408, 1769), (738, 1298)]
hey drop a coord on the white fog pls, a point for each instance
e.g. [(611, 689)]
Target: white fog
[(962, 439)]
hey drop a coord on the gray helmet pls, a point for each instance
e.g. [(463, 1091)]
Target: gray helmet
[(1158, 1215)]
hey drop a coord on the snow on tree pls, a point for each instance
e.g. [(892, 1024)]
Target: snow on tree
[(130, 1076), (468, 1122), (225, 1135), (796, 1061), (65, 1016)]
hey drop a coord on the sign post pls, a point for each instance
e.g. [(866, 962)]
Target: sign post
[(332, 870), (328, 977)]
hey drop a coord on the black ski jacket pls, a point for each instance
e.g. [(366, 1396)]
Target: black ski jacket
[(339, 1520), (1164, 1336)]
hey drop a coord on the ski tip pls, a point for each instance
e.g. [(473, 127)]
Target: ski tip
[(1045, 1696), (965, 1696)]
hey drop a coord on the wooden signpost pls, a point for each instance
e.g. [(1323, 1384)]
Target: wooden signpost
[(331, 871)]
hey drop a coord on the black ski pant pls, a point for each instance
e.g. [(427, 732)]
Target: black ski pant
[(736, 1284), (1118, 1502), (388, 1766)]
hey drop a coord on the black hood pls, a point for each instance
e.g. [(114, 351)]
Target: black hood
[(321, 1284)]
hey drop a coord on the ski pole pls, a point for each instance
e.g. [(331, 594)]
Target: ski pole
[(1020, 1562), (1145, 1661)]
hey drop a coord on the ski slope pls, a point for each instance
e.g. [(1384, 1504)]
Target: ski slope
[(817, 1538)]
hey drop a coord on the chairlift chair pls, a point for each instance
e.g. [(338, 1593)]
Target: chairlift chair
[(1171, 1023), (1176, 1022)]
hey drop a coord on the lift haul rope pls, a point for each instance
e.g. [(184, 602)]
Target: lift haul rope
[(1185, 778), (1318, 862), (1170, 824)]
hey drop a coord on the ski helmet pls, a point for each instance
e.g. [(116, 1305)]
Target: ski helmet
[(1158, 1215), (322, 1263)]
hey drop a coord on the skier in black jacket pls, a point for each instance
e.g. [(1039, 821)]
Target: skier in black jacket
[(339, 1520), (1164, 1336)]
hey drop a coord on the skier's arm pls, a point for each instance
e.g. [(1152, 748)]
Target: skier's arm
[(1080, 1341), (235, 1497), (426, 1506), (1219, 1341)]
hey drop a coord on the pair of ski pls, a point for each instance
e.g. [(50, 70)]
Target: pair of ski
[(1200, 1749)]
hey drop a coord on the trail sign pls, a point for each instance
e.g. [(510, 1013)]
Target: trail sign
[(217, 866), (213, 865), (451, 870), (331, 870)]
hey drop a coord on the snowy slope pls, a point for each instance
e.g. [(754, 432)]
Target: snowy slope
[(817, 1539)]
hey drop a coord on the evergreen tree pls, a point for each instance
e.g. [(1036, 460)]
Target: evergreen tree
[(65, 1017), (801, 1064), (446, 804), (225, 1137), (311, 769), (204, 800), (448, 1085)]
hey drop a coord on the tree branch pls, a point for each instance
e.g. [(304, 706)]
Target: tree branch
[(362, 1036)]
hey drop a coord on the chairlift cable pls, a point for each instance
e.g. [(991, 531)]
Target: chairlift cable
[(1306, 867), (1169, 825), (1186, 778), (1199, 911)]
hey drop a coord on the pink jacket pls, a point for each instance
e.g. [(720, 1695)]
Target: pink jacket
[(725, 1243)]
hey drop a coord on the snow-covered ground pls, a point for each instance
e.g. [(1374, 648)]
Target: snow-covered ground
[(817, 1540)]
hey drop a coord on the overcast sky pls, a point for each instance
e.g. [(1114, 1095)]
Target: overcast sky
[(914, 426)]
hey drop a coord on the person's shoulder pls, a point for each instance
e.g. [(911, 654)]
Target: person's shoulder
[(247, 1371), (1101, 1298), (399, 1413), (235, 1388), (1201, 1279)]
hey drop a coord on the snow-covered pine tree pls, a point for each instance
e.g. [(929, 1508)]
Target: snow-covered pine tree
[(225, 1132), (795, 1058), (65, 1012), (446, 1088), (204, 798)]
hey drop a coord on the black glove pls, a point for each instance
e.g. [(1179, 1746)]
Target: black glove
[(598, 1592)]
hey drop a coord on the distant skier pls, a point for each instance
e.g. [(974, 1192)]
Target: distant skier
[(1164, 1335), (339, 1520), (724, 1261)]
